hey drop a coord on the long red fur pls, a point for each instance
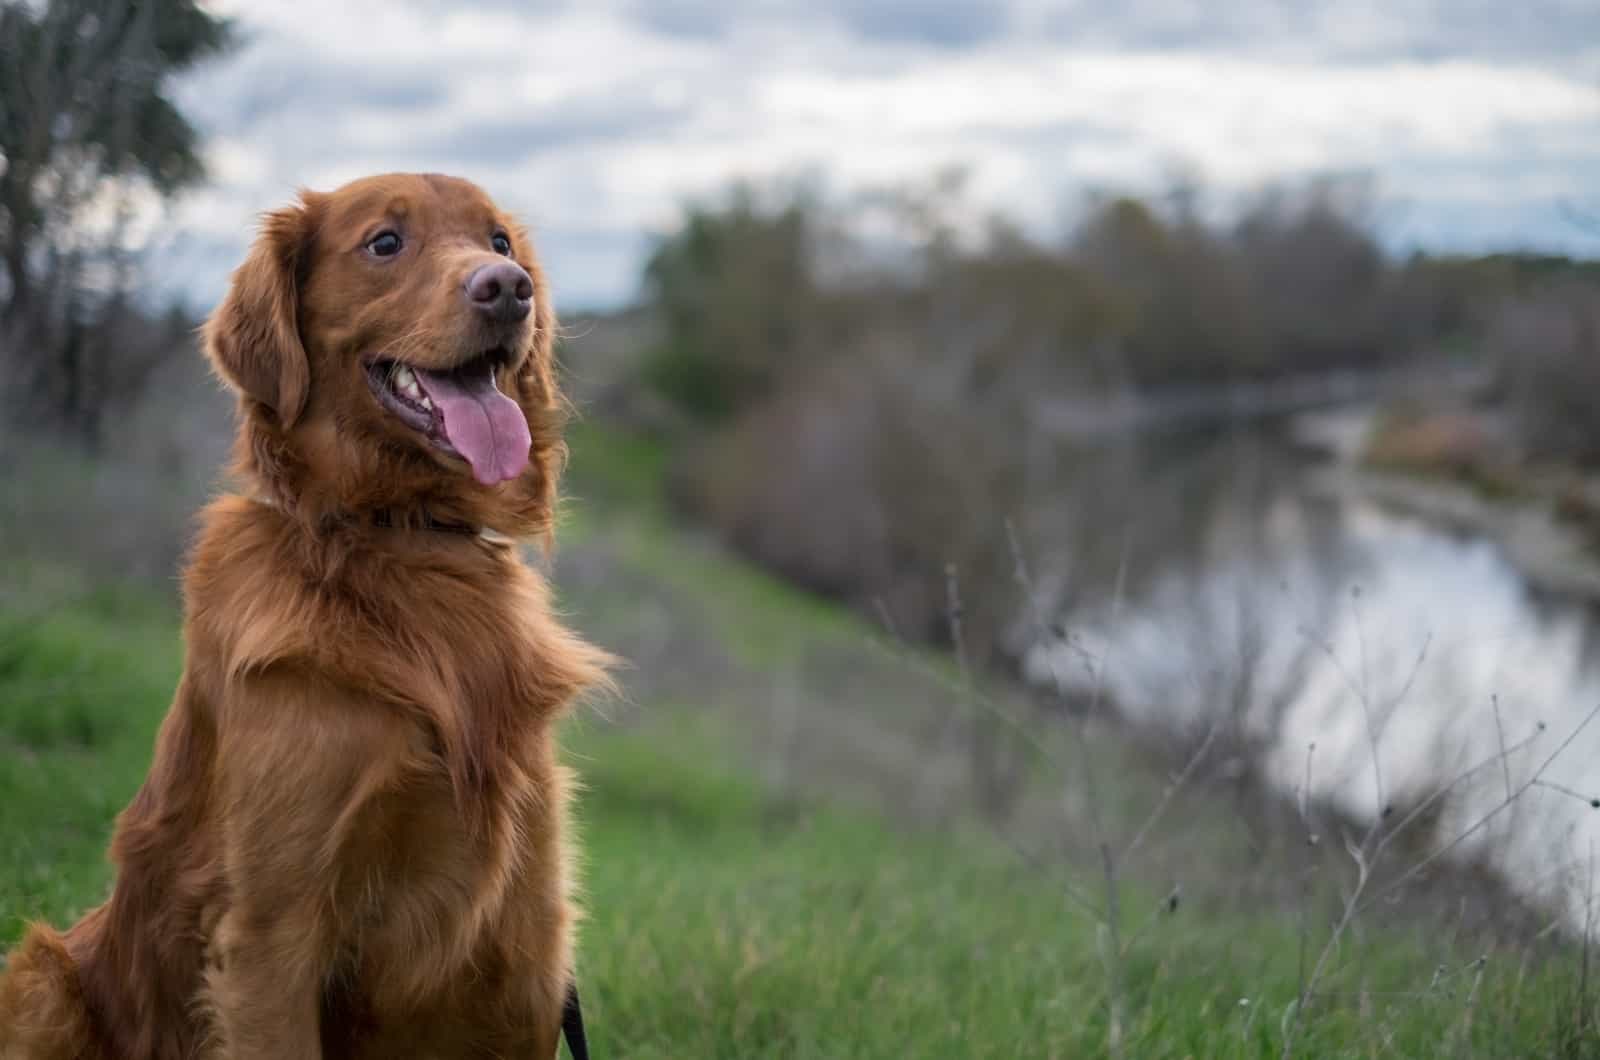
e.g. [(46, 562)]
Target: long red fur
[(351, 840)]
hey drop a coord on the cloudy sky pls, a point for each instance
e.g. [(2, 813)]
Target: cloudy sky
[(595, 119)]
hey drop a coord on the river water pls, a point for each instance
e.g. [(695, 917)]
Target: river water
[(1371, 656)]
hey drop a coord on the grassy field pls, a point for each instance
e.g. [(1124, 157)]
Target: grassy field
[(777, 867)]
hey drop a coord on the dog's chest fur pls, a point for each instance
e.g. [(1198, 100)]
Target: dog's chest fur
[(457, 863), (443, 899)]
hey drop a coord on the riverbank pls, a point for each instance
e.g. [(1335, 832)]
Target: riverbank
[(1456, 470)]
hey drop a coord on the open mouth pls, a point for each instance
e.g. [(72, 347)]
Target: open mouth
[(461, 411)]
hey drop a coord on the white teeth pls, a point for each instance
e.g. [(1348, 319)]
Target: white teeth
[(405, 382), (426, 403)]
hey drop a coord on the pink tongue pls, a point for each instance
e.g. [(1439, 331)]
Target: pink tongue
[(484, 426)]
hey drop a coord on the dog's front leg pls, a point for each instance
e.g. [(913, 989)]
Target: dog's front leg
[(298, 764), (265, 988)]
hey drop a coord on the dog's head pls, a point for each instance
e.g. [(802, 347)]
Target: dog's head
[(391, 345)]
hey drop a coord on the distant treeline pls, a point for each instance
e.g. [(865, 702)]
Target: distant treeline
[(767, 285)]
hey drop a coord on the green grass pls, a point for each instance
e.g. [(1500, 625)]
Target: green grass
[(614, 473), (616, 465), (727, 925), (728, 921), (82, 687)]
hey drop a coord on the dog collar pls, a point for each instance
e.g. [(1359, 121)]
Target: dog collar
[(385, 517)]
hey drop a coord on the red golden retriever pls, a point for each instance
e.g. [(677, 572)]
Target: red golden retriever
[(351, 839)]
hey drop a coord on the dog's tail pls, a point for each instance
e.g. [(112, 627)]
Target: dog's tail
[(42, 1010)]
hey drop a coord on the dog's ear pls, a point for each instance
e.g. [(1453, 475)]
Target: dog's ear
[(253, 337)]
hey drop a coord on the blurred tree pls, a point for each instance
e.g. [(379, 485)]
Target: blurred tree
[(1318, 274), (734, 289), (86, 124), (1548, 347), (1191, 318)]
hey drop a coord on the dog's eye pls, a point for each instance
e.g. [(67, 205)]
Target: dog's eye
[(501, 243), (384, 244)]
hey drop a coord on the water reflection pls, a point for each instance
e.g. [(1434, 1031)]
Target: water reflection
[(1254, 602)]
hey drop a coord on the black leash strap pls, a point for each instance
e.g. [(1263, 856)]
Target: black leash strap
[(572, 1025)]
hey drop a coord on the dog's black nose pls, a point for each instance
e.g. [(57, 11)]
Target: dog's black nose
[(501, 291)]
